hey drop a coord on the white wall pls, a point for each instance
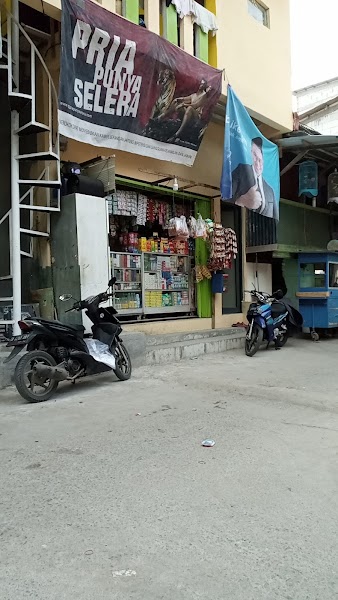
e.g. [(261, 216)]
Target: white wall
[(258, 276), (92, 235), (325, 122), (311, 96)]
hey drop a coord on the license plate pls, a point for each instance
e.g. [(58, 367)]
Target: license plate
[(17, 340)]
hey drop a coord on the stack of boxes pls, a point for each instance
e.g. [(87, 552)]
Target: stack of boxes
[(163, 246)]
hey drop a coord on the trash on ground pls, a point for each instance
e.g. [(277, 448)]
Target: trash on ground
[(208, 443)]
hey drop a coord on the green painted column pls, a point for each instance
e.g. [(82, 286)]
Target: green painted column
[(131, 10), (290, 272), (201, 44), (204, 295), (170, 24)]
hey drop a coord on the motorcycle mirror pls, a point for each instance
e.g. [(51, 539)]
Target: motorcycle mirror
[(278, 295), (111, 282), (65, 297)]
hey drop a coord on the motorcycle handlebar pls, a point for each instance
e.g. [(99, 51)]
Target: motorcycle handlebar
[(81, 304)]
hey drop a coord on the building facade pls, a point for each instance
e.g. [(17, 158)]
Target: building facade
[(317, 106), (247, 46)]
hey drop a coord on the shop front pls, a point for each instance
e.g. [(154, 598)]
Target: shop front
[(175, 263), (169, 257)]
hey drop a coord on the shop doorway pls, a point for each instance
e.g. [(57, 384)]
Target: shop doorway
[(232, 298)]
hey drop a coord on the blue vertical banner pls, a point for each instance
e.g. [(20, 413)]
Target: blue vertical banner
[(251, 174)]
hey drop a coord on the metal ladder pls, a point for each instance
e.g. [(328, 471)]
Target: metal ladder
[(35, 171)]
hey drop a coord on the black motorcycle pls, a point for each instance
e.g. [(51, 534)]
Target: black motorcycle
[(58, 352), (271, 318)]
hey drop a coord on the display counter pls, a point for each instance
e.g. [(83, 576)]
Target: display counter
[(151, 283)]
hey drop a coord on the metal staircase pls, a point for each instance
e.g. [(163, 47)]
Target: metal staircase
[(35, 159)]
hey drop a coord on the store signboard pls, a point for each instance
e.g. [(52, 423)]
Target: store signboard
[(126, 88), (251, 175)]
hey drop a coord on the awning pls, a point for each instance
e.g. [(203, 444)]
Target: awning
[(321, 148), (303, 142)]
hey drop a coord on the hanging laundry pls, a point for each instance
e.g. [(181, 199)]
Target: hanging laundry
[(184, 7), (204, 18)]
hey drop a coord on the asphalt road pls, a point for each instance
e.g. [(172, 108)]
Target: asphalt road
[(100, 502)]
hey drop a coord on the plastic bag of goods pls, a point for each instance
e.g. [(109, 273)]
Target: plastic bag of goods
[(100, 352), (201, 228), (192, 223), (178, 227)]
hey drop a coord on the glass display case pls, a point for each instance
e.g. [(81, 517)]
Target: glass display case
[(166, 283), (151, 283), (127, 292)]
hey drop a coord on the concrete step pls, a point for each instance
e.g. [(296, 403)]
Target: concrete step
[(176, 351), (173, 338)]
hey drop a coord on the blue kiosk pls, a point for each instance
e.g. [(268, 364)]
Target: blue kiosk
[(318, 291)]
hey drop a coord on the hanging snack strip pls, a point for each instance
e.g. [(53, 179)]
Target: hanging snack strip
[(202, 272), (142, 209), (231, 248), (223, 248)]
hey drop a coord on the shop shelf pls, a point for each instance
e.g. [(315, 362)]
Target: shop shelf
[(177, 271), (166, 309), (129, 311), (164, 254)]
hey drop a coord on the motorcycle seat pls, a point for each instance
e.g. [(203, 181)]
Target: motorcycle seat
[(76, 327)]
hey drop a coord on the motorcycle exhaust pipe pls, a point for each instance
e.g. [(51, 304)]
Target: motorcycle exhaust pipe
[(47, 372)]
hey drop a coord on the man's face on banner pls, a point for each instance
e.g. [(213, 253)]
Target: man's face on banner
[(257, 159)]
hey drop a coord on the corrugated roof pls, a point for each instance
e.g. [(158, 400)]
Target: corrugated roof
[(314, 85)]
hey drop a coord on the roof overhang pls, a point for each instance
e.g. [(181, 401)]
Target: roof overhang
[(321, 148)]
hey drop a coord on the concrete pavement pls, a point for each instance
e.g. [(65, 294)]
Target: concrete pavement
[(100, 502)]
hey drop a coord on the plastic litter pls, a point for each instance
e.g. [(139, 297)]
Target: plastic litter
[(208, 443), (100, 352)]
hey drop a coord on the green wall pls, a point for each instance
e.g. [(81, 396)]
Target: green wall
[(302, 227), (204, 295), (290, 272)]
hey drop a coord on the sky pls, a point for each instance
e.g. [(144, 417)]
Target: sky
[(314, 41)]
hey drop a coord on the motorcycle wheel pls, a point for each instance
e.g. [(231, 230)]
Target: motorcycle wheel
[(123, 363), (283, 339), (29, 386), (253, 344)]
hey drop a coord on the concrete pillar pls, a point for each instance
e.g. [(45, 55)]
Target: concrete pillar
[(109, 5), (187, 35), (217, 298), (152, 15), (246, 298)]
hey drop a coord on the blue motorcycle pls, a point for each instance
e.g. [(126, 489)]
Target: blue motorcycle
[(271, 319)]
